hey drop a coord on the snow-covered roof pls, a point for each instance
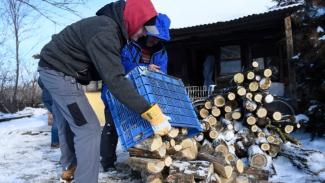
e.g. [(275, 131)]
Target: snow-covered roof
[(243, 19)]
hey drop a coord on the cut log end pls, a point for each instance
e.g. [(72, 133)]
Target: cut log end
[(267, 73), (288, 128), (251, 120), (204, 113), (241, 91), (231, 96), (208, 104), (250, 75), (236, 115), (277, 116), (219, 101), (258, 97), (253, 86), (215, 111), (270, 139), (268, 98), (239, 78), (261, 112), (213, 134), (258, 161), (240, 166), (255, 64), (265, 146), (173, 133), (265, 83), (168, 161), (249, 96), (260, 134)]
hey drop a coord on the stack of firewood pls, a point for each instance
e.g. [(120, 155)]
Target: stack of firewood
[(177, 158), (238, 120)]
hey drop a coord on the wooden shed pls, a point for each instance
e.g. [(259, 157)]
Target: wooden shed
[(235, 44)]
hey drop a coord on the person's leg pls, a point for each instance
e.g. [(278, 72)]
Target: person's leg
[(67, 154), (54, 134), (108, 142), (74, 106)]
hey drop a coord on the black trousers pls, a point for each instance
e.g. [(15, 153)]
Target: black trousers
[(108, 141)]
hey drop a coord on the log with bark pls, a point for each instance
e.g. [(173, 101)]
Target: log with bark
[(201, 170), (180, 178), (189, 150), (257, 174), (151, 178), (158, 154), (152, 166), (220, 164)]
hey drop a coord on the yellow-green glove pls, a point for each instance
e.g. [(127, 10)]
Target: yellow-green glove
[(157, 119)]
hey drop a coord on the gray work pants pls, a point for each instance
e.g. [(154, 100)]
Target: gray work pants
[(70, 103)]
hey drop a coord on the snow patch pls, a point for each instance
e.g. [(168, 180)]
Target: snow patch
[(316, 162), (296, 57), (286, 172), (312, 107), (320, 12), (320, 29), (301, 118), (322, 38), (26, 155)]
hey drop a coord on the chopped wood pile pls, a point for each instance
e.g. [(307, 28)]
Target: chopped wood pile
[(236, 126)]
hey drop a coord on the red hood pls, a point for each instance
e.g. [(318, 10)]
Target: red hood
[(136, 13)]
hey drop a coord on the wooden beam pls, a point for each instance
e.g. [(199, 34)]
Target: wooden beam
[(291, 67), (289, 37)]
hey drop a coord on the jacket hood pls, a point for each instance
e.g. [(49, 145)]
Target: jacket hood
[(114, 10), (137, 13), (162, 24)]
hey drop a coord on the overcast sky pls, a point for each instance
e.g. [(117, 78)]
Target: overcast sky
[(181, 12)]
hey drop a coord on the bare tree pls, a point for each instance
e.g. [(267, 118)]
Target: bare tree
[(17, 14), (15, 17)]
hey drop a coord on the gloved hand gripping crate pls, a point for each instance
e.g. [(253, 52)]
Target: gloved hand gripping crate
[(168, 92)]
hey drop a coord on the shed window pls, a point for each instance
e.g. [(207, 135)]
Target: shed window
[(230, 61)]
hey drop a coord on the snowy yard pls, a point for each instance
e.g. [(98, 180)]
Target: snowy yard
[(26, 156)]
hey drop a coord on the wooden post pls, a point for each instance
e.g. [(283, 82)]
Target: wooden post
[(291, 67)]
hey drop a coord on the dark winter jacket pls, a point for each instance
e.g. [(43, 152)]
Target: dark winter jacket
[(90, 50)]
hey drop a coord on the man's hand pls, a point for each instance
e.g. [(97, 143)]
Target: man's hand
[(153, 67), (158, 120), (162, 129)]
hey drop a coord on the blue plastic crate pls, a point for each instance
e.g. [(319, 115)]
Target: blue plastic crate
[(170, 94)]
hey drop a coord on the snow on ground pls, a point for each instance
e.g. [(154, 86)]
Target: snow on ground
[(26, 156), (287, 172), (322, 38)]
